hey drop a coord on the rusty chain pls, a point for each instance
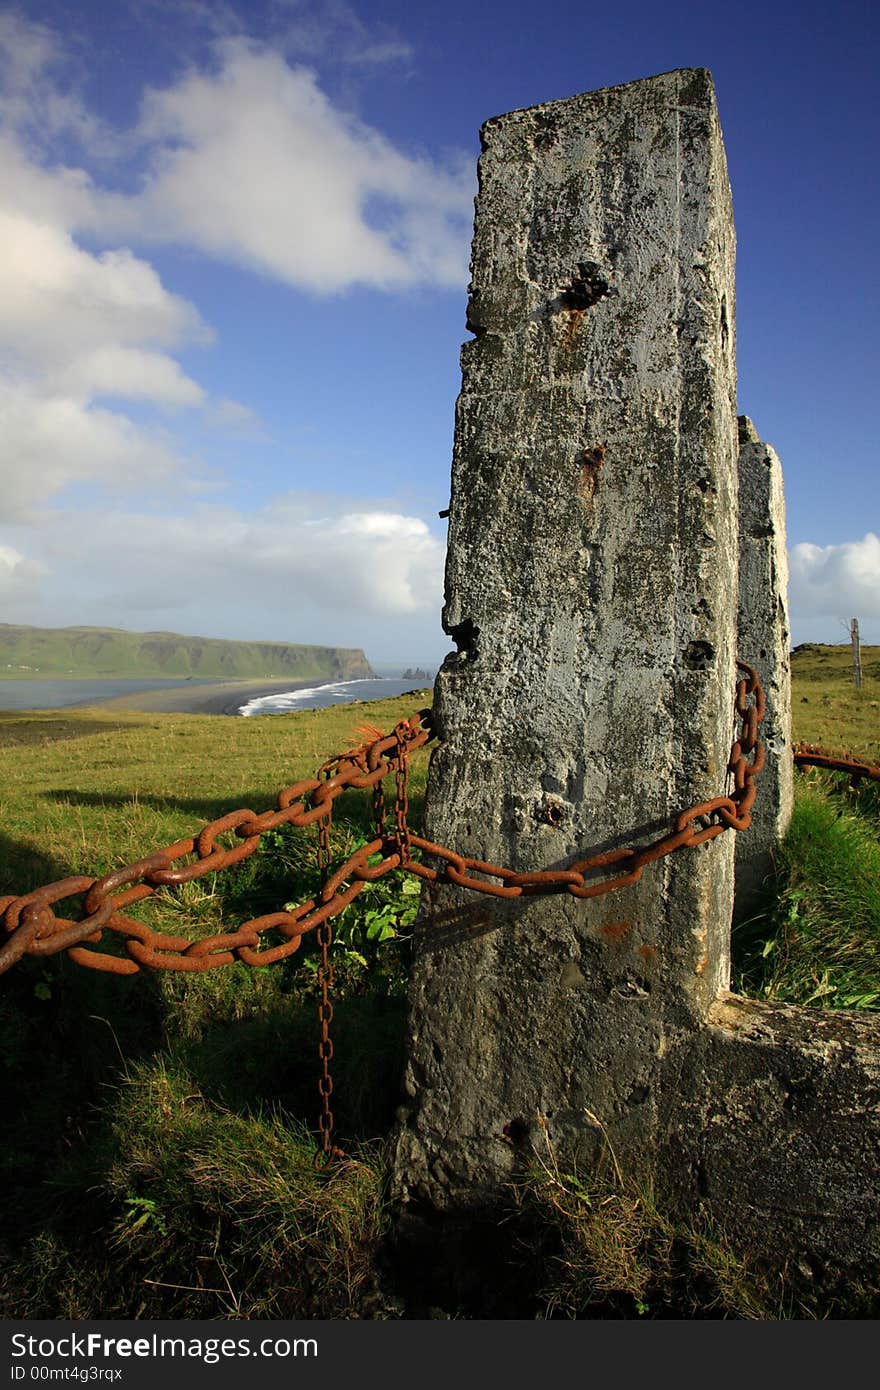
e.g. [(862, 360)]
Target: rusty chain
[(324, 934), (808, 755), (32, 927), (601, 873), (402, 832)]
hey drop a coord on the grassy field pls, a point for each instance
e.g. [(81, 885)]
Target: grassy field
[(160, 1164), (817, 940), (85, 790), (826, 707)]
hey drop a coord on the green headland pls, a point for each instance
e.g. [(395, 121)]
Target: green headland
[(33, 652)]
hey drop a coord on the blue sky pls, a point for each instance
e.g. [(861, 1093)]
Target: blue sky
[(233, 282)]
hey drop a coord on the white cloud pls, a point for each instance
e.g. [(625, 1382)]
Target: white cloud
[(60, 196), (333, 26), (292, 571), (41, 78), (367, 563), (18, 576), (840, 581), (229, 414), (253, 164), (50, 442), (58, 301), (314, 29), (249, 160), (75, 327), (133, 374)]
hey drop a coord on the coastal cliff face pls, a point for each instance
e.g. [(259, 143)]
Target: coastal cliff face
[(97, 651)]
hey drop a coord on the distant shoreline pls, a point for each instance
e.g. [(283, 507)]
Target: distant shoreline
[(210, 697)]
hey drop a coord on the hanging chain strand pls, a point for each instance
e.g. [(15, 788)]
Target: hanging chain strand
[(402, 833), (379, 809), (324, 934)]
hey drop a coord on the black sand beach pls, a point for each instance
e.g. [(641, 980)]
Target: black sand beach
[(216, 697)]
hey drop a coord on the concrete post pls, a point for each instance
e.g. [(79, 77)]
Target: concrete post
[(856, 653), (764, 641), (591, 592)]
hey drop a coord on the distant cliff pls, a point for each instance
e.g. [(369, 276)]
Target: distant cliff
[(112, 652)]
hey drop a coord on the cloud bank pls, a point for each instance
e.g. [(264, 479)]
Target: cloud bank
[(291, 571)]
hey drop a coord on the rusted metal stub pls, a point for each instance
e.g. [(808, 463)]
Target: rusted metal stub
[(591, 461)]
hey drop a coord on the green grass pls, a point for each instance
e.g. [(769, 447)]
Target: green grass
[(141, 1102), (85, 793), (161, 1161), (200, 1212), (827, 709), (817, 940)]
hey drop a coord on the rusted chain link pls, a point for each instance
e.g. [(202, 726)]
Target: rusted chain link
[(808, 755), (402, 832), (32, 927)]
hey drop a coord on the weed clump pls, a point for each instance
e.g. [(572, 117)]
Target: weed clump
[(619, 1254), (199, 1212), (818, 941)]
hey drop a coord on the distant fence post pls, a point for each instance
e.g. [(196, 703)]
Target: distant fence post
[(856, 653)]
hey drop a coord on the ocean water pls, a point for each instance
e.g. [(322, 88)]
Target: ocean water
[(46, 693), (321, 696)]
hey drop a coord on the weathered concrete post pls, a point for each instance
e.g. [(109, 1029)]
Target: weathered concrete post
[(856, 653), (764, 640), (591, 590)]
